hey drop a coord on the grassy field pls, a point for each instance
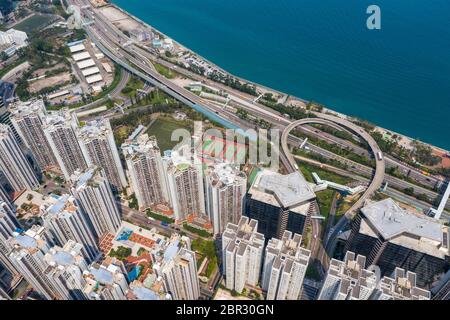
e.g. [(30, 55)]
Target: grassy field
[(343, 207), (162, 129), (34, 23), (324, 199), (308, 169), (132, 86), (207, 249), (166, 72)]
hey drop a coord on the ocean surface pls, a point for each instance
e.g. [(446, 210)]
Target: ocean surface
[(397, 77)]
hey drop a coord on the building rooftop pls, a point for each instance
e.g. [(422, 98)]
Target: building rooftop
[(60, 117), (4, 130), (69, 254), (289, 248), (142, 293), (178, 159), (81, 56), (63, 258), (390, 220), (21, 109), (62, 206), (85, 64), (77, 48), (171, 250), (139, 144), (102, 275), (82, 178), (26, 241), (31, 239), (224, 174), (286, 191), (353, 276), (402, 287), (243, 234), (94, 130)]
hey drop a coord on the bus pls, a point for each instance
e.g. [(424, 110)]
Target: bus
[(379, 155)]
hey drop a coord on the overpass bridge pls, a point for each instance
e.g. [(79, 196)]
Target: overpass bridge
[(330, 242)]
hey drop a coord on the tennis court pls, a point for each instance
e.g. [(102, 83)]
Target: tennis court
[(219, 148)]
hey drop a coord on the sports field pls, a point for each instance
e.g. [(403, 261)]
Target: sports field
[(35, 22), (219, 148), (162, 129)]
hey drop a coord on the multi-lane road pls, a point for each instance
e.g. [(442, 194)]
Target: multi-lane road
[(139, 61), (374, 185), (118, 47)]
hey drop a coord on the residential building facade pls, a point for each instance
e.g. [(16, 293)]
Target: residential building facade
[(225, 188), (145, 169), (26, 118), (284, 269), (93, 192), (59, 128), (65, 220), (242, 254), (14, 164), (99, 148)]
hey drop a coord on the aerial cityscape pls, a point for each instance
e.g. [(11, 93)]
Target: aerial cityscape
[(132, 168)]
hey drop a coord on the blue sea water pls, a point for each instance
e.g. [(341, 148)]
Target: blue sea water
[(397, 77)]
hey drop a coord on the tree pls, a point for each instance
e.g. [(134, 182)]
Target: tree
[(409, 191), (424, 154), (3, 56), (120, 253), (241, 113), (133, 204), (423, 197)]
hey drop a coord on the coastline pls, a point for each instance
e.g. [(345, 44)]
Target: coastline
[(392, 132), (203, 58)]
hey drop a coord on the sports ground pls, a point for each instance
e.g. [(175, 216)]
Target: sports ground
[(219, 148)]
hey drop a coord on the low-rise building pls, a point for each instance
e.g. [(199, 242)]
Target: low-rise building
[(13, 40)]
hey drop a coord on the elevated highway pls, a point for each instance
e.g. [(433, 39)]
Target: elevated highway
[(375, 183), (138, 61)]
